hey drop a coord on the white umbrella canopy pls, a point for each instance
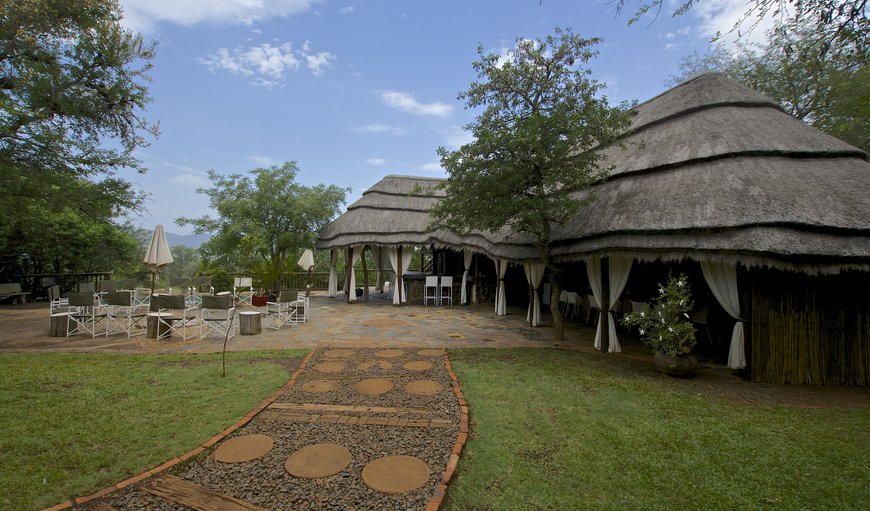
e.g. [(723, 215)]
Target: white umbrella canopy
[(307, 260), (158, 255)]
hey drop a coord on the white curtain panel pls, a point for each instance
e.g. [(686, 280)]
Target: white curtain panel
[(466, 259), (534, 274), (393, 254), (722, 279), (500, 300), (618, 267), (332, 290), (357, 252), (593, 271), (406, 263)]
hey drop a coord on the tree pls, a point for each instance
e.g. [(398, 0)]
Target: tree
[(532, 151), (841, 21), (825, 86), (264, 218)]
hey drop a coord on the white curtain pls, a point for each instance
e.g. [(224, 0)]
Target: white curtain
[(378, 258), (534, 274), (593, 271), (467, 255), (357, 252), (333, 277), (722, 279), (618, 268), (394, 263), (500, 300)]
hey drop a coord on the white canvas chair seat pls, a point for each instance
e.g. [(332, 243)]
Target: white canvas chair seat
[(243, 290), (445, 290), (284, 311), (173, 315), (85, 315), (124, 315), (430, 292), (216, 316)]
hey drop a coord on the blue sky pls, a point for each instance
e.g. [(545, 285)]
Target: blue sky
[(356, 90)]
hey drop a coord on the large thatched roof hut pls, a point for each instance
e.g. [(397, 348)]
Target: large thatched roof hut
[(776, 212)]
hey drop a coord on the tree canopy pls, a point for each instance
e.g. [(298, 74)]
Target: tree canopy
[(532, 151), (263, 219), (825, 86)]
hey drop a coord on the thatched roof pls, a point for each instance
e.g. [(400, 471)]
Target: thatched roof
[(711, 169)]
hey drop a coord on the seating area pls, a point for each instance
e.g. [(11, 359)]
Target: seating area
[(438, 289), (13, 290), (191, 309)]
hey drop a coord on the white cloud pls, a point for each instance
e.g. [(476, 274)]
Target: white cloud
[(346, 10), (406, 103), (188, 176), (455, 137), (719, 16), (376, 162), (266, 65), (263, 161), (432, 167), (144, 15), (380, 128), (672, 46)]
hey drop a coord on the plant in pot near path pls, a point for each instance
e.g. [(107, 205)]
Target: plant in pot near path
[(666, 328)]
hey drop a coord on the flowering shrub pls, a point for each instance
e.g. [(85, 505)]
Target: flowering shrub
[(665, 325)]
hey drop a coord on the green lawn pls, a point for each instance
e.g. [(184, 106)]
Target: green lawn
[(71, 424), (561, 430)]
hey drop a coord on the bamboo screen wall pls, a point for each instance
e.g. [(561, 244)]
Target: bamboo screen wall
[(813, 330)]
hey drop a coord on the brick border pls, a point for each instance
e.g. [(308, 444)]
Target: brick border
[(78, 501), (441, 489)]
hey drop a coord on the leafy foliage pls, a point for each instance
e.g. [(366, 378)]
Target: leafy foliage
[(665, 325), (532, 151), (823, 85), (264, 218)]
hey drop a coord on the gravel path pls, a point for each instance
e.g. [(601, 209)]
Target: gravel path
[(421, 426)]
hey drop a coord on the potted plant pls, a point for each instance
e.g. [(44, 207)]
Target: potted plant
[(665, 327)]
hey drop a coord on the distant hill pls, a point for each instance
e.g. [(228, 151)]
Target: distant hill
[(188, 240)]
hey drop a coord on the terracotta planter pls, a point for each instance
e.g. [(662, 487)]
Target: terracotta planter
[(681, 366), (259, 301)]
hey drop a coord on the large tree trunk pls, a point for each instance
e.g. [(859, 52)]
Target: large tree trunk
[(558, 327)]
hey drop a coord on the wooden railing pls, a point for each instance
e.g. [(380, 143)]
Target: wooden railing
[(37, 284)]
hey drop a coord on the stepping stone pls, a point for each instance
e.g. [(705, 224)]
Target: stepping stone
[(338, 353), (318, 460), (396, 474), (243, 448), (329, 367), (424, 387), (320, 386), (388, 353), (370, 364), (430, 353), (373, 386), (417, 365)]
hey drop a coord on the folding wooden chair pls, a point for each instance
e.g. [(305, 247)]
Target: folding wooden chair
[(85, 315), (284, 311), (216, 316), (124, 315)]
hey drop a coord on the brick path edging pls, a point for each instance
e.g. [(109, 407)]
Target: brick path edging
[(441, 489), (205, 445)]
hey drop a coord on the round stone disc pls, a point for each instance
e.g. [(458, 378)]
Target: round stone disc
[(424, 387), (243, 448), (318, 460), (388, 353), (373, 364), (430, 353), (338, 353), (417, 365), (373, 386), (329, 367), (320, 386), (396, 474)]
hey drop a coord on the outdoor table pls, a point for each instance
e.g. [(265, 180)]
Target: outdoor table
[(250, 323), (154, 323)]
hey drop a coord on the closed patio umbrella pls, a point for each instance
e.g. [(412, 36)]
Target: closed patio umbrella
[(158, 255), (306, 262)]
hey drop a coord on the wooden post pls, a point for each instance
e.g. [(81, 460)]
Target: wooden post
[(365, 275), (348, 268), (58, 325)]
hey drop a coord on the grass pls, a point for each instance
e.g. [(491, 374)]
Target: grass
[(562, 430), (72, 424)]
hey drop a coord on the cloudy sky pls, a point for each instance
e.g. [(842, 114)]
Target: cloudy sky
[(354, 91)]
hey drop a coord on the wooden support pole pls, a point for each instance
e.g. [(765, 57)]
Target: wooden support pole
[(365, 275)]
